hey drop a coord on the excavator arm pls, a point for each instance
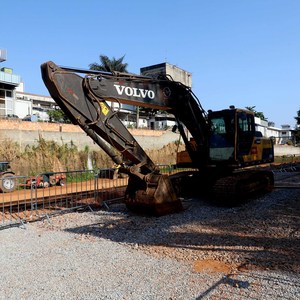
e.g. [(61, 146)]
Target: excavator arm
[(159, 93), (83, 100), (94, 116)]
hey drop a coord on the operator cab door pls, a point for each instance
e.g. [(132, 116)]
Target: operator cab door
[(231, 136), (222, 136), (245, 134)]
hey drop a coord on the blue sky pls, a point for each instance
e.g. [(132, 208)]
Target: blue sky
[(240, 52)]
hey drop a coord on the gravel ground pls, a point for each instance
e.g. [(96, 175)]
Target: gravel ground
[(204, 252)]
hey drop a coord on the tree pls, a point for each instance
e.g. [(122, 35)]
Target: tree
[(297, 118), (257, 114), (58, 116), (297, 130), (110, 65)]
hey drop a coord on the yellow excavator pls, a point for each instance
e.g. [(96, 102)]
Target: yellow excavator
[(222, 146)]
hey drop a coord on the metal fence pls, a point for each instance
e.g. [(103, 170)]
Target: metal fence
[(41, 196), (287, 163)]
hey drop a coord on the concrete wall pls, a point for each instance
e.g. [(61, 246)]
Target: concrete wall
[(283, 150), (28, 133)]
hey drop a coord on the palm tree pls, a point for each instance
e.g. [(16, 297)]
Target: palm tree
[(110, 65), (298, 118), (297, 128), (258, 114), (250, 108)]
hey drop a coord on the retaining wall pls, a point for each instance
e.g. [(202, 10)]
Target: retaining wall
[(285, 150), (28, 133)]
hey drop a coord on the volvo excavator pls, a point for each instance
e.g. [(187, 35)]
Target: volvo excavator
[(222, 146)]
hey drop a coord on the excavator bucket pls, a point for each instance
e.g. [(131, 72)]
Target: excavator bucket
[(154, 196)]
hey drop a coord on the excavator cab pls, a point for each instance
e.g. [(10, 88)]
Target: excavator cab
[(233, 140)]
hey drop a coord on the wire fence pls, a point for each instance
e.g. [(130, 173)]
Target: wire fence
[(24, 199)]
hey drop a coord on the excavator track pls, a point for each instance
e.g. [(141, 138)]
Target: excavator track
[(236, 188)]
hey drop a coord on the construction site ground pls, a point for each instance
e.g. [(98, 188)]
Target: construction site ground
[(204, 252)]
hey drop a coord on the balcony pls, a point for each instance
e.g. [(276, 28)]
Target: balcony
[(10, 78), (3, 55)]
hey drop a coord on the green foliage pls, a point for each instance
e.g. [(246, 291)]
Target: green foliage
[(297, 136), (80, 176), (285, 159), (257, 114), (297, 118), (166, 169), (58, 116), (297, 130), (86, 149), (110, 65)]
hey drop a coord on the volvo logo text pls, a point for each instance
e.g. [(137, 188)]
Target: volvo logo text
[(134, 92)]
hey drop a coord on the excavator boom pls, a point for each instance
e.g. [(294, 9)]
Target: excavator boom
[(147, 190)]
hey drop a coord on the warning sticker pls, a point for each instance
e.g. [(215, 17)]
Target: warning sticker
[(104, 108)]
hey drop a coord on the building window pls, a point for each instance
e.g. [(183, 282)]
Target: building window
[(6, 102), (9, 94)]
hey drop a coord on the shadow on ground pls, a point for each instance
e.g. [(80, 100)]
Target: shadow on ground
[(261, 234)]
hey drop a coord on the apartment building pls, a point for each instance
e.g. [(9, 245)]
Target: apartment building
[(28, 104), (281, 135), (8, 83)]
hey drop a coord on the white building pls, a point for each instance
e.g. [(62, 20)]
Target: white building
[(8, 84), (27, 104), (14, 102), (281, 135)]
